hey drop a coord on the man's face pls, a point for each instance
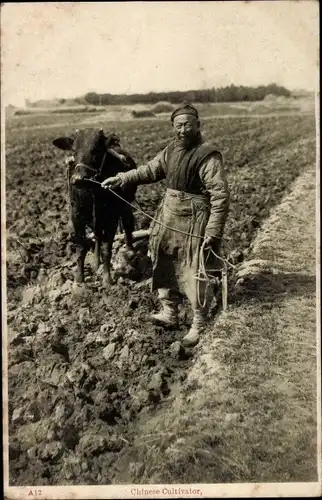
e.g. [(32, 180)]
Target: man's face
[(186, 128)]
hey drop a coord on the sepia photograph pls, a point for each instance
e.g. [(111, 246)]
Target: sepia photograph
[(160, 249)]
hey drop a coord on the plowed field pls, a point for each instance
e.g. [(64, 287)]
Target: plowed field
[(84, 362)]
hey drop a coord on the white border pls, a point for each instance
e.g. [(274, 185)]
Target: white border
[(238, 490)]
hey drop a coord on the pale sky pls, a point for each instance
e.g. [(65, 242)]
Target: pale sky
[(67, 49)]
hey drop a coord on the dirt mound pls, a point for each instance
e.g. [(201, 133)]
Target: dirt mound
[(162, 107), (142, 114)]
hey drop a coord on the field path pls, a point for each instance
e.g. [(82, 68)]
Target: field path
[(247, 411)]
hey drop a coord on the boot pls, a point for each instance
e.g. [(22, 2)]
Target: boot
[(168, 315), (192, 337)]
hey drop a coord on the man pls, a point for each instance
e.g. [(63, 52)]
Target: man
[(194, 210)]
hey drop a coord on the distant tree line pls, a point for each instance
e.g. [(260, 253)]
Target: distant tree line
[(231, 93)]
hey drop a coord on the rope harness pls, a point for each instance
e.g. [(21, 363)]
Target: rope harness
[(203, 274)]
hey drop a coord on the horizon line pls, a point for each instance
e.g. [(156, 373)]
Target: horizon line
[(292, 90)]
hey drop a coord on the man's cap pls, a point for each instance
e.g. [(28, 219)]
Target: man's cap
[(184, 109)]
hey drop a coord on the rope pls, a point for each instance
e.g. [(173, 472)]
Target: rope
[(139, 209), (202, 275)]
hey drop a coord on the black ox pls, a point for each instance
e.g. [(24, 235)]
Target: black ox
[(91, 205)]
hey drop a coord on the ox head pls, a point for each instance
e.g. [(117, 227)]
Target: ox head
[(89, 149)]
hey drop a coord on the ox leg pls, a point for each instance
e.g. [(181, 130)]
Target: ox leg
[(128, 225), (97, 251), (107, 245), (81, 250)]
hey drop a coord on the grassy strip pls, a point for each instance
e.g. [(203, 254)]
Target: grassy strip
[(247, 411)]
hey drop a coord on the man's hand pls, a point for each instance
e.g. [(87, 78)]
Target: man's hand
[(211, 241), (69, 160), (111, 182), (123, 159)]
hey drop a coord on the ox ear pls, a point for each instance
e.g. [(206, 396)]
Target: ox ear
[(64, 143)]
